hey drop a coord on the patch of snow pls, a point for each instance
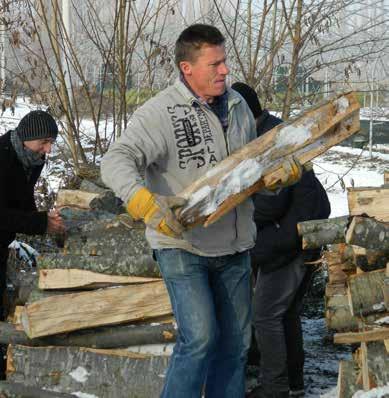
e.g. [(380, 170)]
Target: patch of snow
[(153, 349), (330, 394), (80, 374), (80, 394), (294, 135), (379, 392), (379, 307), (24, 252), (245, 174), (341, 104), (382, 321)]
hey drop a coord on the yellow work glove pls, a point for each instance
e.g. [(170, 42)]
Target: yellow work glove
[(156, 211), (291, 173)]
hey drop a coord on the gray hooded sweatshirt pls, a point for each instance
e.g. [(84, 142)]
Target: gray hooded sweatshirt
[(176, 139)]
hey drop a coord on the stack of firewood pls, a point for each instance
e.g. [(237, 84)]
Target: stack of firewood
[(357, 293), (99, 305)]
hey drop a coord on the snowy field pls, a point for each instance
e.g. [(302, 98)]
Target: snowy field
[(337, 169)]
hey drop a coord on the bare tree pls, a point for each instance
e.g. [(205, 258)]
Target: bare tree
[(87, 68), (292, 43)]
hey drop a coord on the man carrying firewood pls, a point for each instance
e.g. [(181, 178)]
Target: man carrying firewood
[(282, 277), (177, 137), (22, 156)]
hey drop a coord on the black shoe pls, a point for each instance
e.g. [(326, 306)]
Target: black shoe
[(297, 393), (258, 392)]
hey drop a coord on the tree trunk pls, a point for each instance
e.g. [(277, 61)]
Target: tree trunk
[(18, 390), (368, 233), (317, 233), (365, 293), (378, 363), (136, 264), (338, 314), (74, 311), (117, 336), (100, 374), (365, 259)]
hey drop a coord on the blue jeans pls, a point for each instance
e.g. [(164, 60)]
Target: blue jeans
[(211, 300)]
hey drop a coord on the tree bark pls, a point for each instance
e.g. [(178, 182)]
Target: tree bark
[(365, 293), (74, 311), (369, 233), (19, 390), (117, 336), (338, 314), (318, 233), (378, 363), (102, 374), (365, 259), (137, 264)]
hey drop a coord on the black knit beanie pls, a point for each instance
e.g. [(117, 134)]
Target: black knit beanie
[(37, 125), (250, 96)]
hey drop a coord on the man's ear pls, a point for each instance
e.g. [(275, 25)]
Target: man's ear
[(186, 68)]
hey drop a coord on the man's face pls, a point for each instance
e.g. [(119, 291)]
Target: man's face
[(42, 146), (206, 75)]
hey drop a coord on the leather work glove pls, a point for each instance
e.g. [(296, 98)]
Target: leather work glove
[(156, 211), (291, 173)]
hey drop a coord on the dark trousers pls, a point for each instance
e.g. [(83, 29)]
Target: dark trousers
[(277, 306), (3, 279)]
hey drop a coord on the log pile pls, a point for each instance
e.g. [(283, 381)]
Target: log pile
[(357, 292), (98, 310)]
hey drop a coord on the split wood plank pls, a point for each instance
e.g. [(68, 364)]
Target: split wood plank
[(359, 337), (74, 311), (75, 198), (347, 377), (370, 201), (259, 162), (367, 385), (77, 279), (386, 178), (368, 233), (103, 374)]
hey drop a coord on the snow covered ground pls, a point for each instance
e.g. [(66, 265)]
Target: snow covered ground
[(337, 169)]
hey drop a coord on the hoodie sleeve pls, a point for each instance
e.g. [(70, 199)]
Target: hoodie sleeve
[(141, 144)]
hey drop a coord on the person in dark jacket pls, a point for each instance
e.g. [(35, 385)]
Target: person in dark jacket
[(282, 273), (22, 157)]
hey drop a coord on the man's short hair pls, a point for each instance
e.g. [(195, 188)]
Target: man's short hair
[(193, 38)]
